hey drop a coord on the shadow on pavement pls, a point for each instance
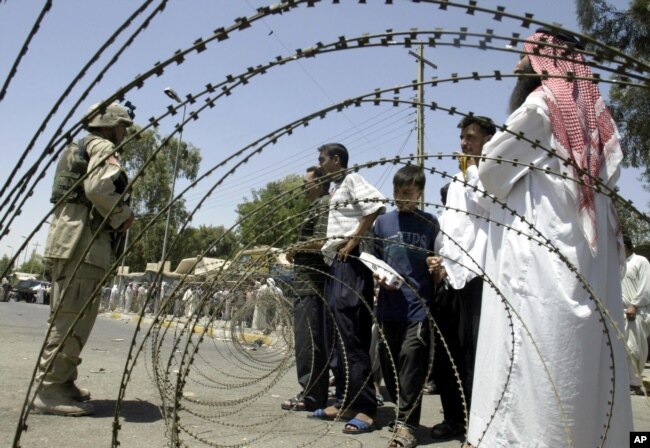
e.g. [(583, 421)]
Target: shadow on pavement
[(133, 411)]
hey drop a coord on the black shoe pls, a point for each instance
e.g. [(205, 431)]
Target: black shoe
[(447, 430)]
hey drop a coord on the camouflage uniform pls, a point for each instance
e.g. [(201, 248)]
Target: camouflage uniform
[(78, 264)]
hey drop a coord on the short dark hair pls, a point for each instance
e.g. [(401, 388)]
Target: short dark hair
[(443, 193), (627, 242), (336, 149), (319, 173), (485, 123), (409, 175)]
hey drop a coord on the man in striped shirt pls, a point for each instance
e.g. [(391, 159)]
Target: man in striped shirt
[(354, 205)]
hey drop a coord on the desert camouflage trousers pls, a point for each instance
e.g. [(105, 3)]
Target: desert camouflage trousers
[(60, 359)]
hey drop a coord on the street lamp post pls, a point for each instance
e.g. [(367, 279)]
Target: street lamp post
[(173, 95)]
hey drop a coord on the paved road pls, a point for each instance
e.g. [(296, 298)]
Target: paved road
[(232, 396)]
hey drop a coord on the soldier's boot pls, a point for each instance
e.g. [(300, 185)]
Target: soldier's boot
[(77, 393), (56, 399)]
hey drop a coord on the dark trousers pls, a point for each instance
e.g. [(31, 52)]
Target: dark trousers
[(469, 299), (405, 352), (446, 315), (311, 350), (349, 292)]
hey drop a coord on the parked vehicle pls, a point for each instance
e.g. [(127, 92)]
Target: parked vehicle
[(26, 290)]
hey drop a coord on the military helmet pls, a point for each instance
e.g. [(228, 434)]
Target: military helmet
[(112, 116)]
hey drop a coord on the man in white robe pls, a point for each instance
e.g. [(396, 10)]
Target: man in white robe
[(267, 299), (115, 298), (463, 238), (550, 368), (636, 299), (128, 298)]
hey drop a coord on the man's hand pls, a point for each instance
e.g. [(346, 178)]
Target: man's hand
[(347, 248), (630, 312), (436, 269), (128, 223), (290, 253), (465, 161), (434, 263), (382, 282)]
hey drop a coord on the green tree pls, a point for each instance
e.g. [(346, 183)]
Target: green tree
[(150, 194), (628, 31), (33, 266), (636, 228), (195, 241), (279, 215), (4, 264)]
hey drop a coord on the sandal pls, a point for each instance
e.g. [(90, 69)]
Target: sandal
[(403, 437), (358, 426), (293, 404), (447, 430), (322, 414)]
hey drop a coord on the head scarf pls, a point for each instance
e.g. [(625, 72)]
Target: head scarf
[(584, 130)]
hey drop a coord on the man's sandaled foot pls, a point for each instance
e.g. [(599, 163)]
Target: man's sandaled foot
[(294, 404), (360, 424), (331, 413), (636, 390), (403, 437)]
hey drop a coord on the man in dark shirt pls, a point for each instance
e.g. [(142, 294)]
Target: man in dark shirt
[(308, 307)]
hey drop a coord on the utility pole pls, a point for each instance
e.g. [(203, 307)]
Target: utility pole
[(420, 116), (26, 250), (420, 153)]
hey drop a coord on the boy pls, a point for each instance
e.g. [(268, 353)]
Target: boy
[(403, 239)]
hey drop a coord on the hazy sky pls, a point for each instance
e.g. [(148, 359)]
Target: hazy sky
[(73, 30)]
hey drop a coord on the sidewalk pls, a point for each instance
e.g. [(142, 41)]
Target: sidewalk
[(219, 329)]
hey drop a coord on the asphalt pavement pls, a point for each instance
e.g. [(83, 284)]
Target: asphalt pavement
[(231, 398)]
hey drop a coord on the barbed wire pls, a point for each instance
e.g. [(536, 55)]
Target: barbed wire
[(171, 344)]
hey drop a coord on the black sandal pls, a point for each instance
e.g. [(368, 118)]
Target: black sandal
[(294, 404)]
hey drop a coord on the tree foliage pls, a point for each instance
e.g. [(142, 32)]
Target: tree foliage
[(629, 31), (273, 214), (632, 225), (4, 264), (150, 194), (216, 242), (34, 265)]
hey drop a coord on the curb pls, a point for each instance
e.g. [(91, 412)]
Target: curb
[(219, 332)]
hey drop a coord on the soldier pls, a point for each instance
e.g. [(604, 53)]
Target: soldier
[(77, 217)]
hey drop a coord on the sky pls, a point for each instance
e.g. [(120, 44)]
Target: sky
[(73, 30)]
